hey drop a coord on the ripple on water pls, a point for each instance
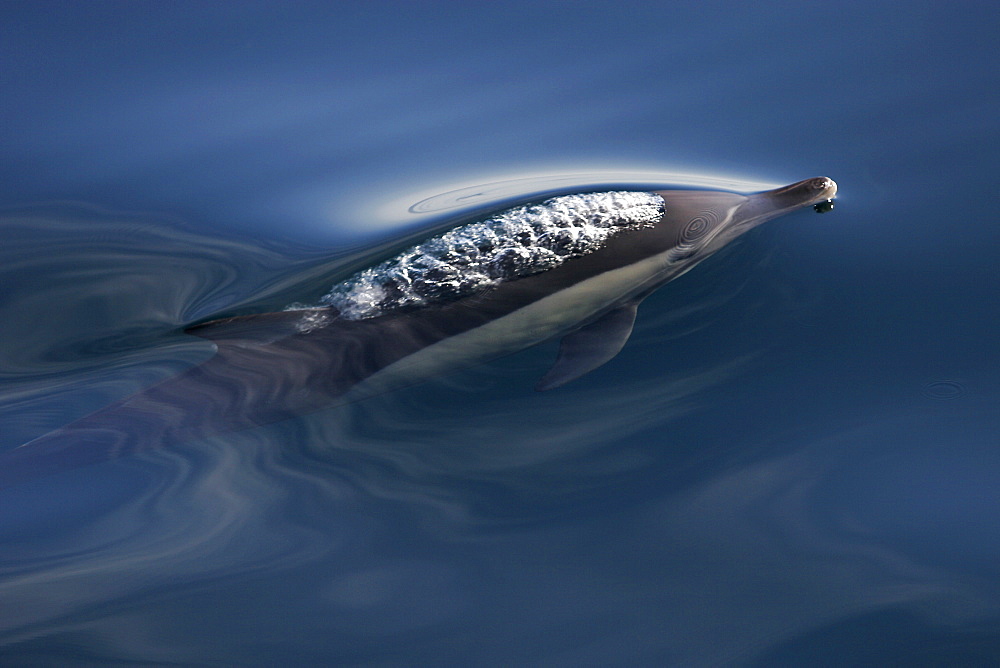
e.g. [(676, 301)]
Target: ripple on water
[(944, 390)]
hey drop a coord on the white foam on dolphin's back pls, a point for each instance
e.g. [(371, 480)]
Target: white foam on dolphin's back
[(512, 244)]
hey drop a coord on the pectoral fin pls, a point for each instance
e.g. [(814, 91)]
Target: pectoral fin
[(589, 347)]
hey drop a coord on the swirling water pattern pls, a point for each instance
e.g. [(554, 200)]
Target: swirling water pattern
[(792, 462)]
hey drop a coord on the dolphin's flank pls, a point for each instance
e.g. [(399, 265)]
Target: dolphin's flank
[(574, 266)]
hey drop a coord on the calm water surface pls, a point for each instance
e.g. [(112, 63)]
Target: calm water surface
[(795, 459)]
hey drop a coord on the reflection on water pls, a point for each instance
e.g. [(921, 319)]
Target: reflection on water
[(377, 530), (534, 186)]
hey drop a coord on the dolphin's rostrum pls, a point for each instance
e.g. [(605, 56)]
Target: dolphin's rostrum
[(574, 266)]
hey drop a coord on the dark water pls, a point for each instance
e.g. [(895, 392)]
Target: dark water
[(794, 460)]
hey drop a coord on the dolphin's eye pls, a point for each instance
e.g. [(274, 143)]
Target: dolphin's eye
[(823, 207)]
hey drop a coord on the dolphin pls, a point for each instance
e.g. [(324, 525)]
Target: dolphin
[(574, 266)]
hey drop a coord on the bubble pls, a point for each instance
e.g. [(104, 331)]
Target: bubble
[(512, 244)]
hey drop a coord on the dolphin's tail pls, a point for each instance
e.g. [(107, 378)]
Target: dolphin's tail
[(57, 452), (264, 371), (147, 420)]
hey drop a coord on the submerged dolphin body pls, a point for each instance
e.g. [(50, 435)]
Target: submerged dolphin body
[(575, 266)]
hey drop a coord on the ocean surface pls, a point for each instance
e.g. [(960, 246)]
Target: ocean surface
[(795, 460)]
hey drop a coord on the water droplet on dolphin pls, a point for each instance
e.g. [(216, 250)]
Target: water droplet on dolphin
[(823, 207)]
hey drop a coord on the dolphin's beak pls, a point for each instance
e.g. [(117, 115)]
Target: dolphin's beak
[(764, 206), (803, 193)]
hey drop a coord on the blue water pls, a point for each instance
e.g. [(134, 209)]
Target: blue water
[(795, 460)]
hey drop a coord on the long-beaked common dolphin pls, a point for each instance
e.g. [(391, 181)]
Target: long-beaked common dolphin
[(573, 266)]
